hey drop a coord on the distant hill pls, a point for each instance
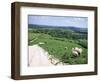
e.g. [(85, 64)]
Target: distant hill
[(76, 29)]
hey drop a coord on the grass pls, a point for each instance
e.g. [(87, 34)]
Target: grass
[(59, 48)]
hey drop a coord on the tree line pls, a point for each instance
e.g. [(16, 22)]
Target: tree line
[(61, 33)]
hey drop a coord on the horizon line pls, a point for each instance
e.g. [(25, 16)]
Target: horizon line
[(56, 26)]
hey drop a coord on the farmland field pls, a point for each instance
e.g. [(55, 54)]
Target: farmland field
[(59, 41)]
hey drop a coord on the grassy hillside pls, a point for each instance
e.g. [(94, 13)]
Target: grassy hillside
[(59, 48)]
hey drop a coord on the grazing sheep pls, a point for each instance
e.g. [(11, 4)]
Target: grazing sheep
[(74, 52), (79, 50)]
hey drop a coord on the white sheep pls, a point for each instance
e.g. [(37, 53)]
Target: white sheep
[(74, 52), (79, 50)]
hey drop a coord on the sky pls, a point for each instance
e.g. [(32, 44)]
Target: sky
[(81, 22)]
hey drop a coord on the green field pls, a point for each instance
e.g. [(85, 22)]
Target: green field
[(59, 47)]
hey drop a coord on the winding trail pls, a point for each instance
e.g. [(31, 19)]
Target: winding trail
[(38, 56)]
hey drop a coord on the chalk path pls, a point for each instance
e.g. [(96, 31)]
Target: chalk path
[(38, 56)]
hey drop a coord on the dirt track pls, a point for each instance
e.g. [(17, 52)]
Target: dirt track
[(38, 56)]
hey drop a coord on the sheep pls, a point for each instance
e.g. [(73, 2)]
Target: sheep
[(79, 50), (74, 52)]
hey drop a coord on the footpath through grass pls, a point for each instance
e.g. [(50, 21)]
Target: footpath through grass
[(59, 48)]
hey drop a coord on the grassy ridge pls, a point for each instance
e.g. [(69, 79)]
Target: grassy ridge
[(58, 47)]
